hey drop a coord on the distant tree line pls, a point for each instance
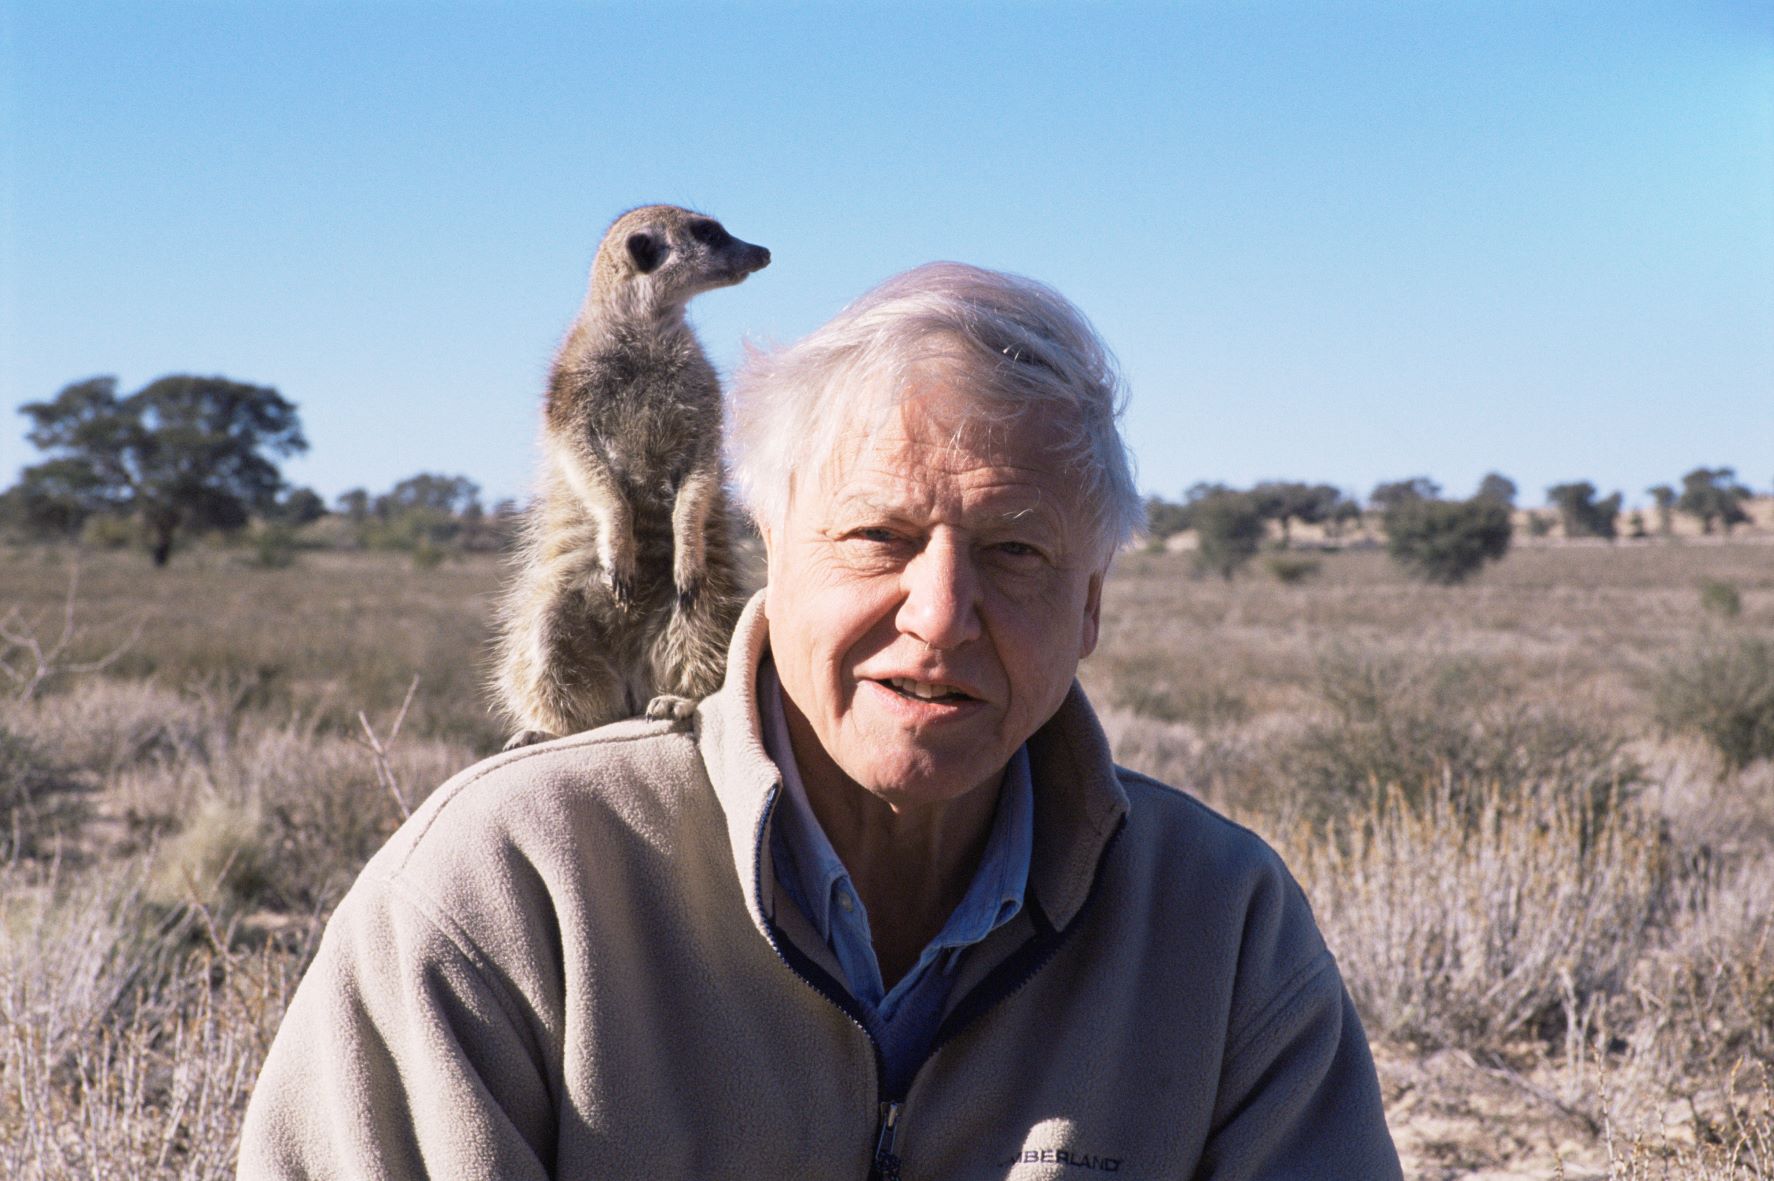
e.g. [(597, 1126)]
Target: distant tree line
[(426, 511), (1433, 537), (187, 456)]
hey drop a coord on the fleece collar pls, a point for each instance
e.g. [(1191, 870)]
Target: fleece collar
[(1078, 798)]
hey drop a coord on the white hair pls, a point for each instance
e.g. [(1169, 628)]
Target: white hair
[(1008, 346)]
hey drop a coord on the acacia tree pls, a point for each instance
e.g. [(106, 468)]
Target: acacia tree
[(1228, 528), (1164, 518), (1665, 498), (1496, 488), (1713, 495), (1385, 496), (1287, 501), (183, 452), (1583, 515), (1447, 541)]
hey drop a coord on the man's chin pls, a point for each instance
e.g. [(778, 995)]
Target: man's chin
[(936, 780)]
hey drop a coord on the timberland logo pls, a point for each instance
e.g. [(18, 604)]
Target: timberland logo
[(1065, 1156)]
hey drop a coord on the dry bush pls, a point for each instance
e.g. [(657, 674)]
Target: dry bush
[(1701, 1005), (129, 1037), (1723, 689), (1401, 719), (1709, 804), (248, 812), (1473, 921), (1292, 569), (1158, 685), (106, 726), (277, 815), (40, 804), (1742, 1151)]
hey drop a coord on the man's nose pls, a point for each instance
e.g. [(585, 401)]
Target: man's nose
[(941, 604)]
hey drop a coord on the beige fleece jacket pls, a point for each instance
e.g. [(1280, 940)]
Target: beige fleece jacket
[(572, 962)]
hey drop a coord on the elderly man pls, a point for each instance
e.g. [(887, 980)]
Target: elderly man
[(884, 907)]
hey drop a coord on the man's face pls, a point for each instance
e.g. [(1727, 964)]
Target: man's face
[(929, 603)]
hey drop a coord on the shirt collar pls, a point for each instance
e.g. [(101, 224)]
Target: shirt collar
[(1077, 809)]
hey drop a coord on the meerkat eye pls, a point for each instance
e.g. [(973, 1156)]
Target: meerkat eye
[(710, 233)]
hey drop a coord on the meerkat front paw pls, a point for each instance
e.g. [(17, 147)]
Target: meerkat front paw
[(688, 593), (669, 707), (621, 588), (620, 580), (525, 738), (618, 575)]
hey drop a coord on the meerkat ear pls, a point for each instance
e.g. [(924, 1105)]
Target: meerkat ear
[(646, 252)]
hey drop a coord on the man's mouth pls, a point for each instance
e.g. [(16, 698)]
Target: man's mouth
[(925, 690)]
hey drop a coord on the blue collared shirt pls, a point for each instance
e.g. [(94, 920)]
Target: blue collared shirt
[(903, 1020)]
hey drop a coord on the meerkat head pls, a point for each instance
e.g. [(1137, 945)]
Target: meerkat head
[(658, 257)]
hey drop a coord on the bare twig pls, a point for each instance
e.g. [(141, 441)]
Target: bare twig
[(379, 750), (27, 661)]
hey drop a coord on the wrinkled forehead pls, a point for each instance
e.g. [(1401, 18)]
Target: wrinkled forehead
[(936, 428)]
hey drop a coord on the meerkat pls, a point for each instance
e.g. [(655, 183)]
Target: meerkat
[(626, 593)]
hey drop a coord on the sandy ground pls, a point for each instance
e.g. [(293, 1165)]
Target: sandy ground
[(1455, 1118)]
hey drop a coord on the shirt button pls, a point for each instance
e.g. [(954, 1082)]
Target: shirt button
[(845, 902)]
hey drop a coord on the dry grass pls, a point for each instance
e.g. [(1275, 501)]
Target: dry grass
[(1550, 895), (1479, 922), (1549, 891), (130, 1033), (176, 831), (328, 636)]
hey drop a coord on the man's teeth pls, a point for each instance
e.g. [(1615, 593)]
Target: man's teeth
[(925, 690)]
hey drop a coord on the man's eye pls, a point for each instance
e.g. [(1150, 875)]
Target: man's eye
[(873, 535), (1018, 549)]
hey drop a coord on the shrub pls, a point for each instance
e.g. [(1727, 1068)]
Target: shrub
[(274, 547), (427, 554), (219, 859), (129, 1037), (1705, 1003), (1720, 598), (1471, 922), (1157, 685), (1291, 570), (1409, 723), (1164, 518), (107, 532), (36, 802), (1228, 528), (1723, 691), (1446, 541), (1582, 514)]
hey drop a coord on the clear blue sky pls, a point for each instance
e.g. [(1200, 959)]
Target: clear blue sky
[(1332, 241)]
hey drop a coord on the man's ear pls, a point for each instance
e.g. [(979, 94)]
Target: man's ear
[(646, 251), (1093, 614)]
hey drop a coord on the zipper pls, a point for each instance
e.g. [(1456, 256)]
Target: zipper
[(886, 1164)]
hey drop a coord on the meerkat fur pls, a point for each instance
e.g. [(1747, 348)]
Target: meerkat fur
[(626, 592)]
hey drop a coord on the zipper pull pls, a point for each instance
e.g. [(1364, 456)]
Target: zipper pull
[(886, 1166)]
